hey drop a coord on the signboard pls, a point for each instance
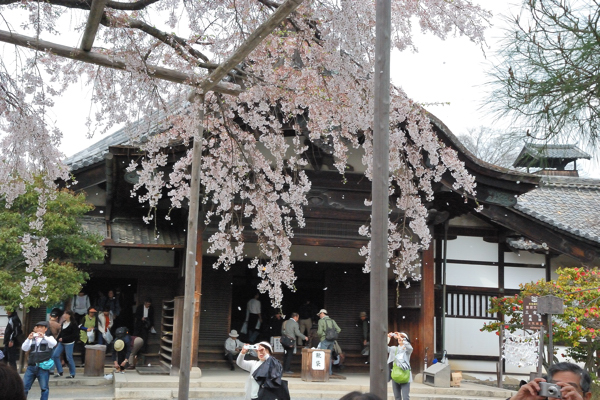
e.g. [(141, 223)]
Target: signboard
[(531, 318), (318, 360), (276, 344), (550, 305)]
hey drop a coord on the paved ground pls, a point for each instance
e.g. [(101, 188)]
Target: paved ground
[(99, 388)]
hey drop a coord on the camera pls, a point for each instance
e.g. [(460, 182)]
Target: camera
[(251, 347), (549, 390)]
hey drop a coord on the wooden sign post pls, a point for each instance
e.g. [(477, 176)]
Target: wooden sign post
[(548, 305)]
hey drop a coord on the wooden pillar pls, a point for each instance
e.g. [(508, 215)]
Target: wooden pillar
[(427, 308), (197, 291)]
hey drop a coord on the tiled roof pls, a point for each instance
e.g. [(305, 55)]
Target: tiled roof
[(566, 203), (140, 130), (533, 154), (135, 232)]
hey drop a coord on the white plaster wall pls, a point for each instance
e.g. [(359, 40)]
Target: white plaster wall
[(463, 337), (472, 249), (513, 276), (472, 275), (524, 257), (143, 257)]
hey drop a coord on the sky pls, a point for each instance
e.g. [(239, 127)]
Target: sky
[(451, 71)]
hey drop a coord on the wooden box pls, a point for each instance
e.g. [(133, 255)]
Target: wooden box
[(315, 365)]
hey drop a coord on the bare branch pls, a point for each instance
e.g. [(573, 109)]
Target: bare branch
[(105, 61)]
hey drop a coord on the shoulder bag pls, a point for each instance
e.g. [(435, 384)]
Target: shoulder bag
[(285, 340), (400, 373)]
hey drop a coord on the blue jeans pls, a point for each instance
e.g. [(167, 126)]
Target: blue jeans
[(328, 345), (68, 348), (42, 375)]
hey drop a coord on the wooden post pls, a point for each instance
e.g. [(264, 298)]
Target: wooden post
[(190, 265), (427, 314), (500, 342), (379, 217)]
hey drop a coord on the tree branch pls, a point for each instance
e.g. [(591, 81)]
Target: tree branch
[(105, 61)]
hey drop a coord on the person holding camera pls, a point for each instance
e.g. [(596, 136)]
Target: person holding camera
[(399, 365), (40, 362), (565, 381), (265, 374)]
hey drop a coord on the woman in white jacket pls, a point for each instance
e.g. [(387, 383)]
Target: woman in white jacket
[(264, 352), (399, 354)]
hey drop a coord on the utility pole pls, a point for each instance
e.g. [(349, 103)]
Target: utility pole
[(379, 217)]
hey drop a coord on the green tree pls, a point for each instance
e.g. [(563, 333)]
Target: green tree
[(579, 326), (68, 243), (549, 76)]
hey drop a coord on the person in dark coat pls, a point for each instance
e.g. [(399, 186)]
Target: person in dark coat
[(144, 322), (66, 339), (11, 339)]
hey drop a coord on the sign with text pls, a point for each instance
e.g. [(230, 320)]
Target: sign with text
[(531, 318), (318, 360)]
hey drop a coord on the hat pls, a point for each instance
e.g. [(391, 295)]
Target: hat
[(43, 323), (119, 344), (363, 314), (91, 309), (267, 345), (324, 311), (233, 333)]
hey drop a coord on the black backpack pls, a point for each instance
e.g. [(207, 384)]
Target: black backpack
[(121, 332), (330, 332)]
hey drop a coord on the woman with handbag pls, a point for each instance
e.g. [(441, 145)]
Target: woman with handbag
[(399, 365)]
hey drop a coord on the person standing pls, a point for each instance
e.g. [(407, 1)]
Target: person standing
[(232, 347), (253, 317), (41, 351), (80, 306), (275, 323), (66, 341), (363, 323), (105, 322), (144, 321), (400, 355), (11, 339), (328, 332), (88, 330), (305, 323), (290, 329), (54, 325), (113, 304)]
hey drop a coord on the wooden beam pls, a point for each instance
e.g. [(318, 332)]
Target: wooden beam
[(255, 38), (557, 241), (106, 61), (93, 22)]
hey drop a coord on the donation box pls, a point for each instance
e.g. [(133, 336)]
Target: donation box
[(315, 365)]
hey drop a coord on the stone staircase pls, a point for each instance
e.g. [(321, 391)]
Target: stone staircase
[(229, 385), (211, 357)]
